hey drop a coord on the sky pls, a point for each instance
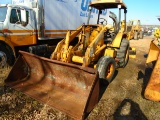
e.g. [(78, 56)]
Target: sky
[(144, 10), (5, 1)]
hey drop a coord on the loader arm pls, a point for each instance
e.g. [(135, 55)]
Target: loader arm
[(62, 50), (92, 50)]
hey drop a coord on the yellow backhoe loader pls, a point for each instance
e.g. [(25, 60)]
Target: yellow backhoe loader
[(69, 80), (152, 91)]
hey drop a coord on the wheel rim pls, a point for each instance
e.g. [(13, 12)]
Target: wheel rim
[(3, 59), (109, 70)]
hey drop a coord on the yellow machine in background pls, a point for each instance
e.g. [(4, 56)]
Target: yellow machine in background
[(129, 31), (157, 34), (134, 30), (69, 81), (152, 91)]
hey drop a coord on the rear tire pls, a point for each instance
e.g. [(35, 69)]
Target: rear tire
[(136, 36), (141, 35), (123, 53), (106, 67)]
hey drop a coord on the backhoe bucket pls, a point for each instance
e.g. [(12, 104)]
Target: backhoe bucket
[(69, 88), (152, 91), (154, 51)]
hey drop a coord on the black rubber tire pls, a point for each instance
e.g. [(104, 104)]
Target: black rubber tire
[(106, 64), (10, 56), (136, 36), (141, 35), (3, 59), (123, 53)]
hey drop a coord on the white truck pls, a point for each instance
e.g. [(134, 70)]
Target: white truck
[(25, 23)]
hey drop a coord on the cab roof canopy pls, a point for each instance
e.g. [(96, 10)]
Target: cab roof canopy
[(107, 4)]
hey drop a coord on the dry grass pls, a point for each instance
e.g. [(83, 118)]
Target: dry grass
[(3, 74), (17, 106)]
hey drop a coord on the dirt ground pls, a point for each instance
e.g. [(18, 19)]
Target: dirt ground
[(122, 99)]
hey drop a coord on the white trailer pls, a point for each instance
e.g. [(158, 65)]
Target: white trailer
[(26, 22), (58, 16)]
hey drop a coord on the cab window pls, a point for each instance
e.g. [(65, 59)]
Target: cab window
[(16, 16), (3, 12)]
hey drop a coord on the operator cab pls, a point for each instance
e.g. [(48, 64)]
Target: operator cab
[(104, 4)]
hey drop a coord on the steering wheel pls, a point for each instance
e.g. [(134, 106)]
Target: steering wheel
[(102, 21)]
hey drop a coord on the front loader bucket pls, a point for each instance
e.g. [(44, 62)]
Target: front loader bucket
[(69, 88)]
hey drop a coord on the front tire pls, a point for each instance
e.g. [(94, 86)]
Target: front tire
[(9, 54), (136, 36), (141, 35), (3, 59), (106, 67)]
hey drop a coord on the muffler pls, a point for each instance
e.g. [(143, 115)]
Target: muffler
[(69, 88)]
